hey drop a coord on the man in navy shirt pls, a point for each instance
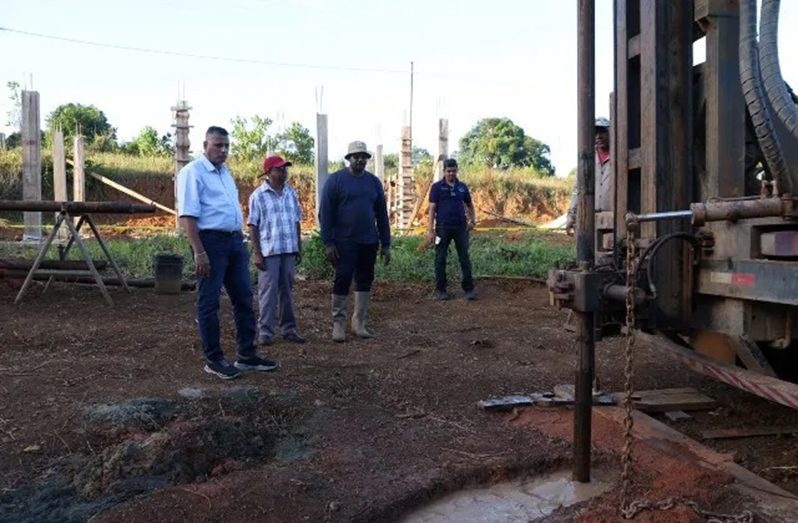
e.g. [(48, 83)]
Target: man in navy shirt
[(354, 223), (449, 203)]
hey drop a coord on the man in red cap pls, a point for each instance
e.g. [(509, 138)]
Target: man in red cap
[(274, 226)]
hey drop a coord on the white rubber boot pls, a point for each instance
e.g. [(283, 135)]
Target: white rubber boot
[(362, 300)]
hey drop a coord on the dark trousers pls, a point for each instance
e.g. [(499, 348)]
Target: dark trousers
[(229, 267), (354, 260), (460, 237)]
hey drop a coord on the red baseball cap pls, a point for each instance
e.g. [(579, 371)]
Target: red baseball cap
[(274, 161)]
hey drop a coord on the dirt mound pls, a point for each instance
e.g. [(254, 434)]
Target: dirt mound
[(136, 414), (181, 453), (145, 444)]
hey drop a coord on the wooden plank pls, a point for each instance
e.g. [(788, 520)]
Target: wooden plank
[(685, 402), (633, 48), (31, 162), (747, 432), (650, 136), (642, 394), (725, 110), (634, 158), (751, 356), (666, 400)]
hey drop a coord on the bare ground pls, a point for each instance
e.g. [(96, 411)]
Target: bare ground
[(106, 411)]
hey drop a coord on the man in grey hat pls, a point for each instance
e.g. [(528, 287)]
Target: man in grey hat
[(605, 185), (354, 226)]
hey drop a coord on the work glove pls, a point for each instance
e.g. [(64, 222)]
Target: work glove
[(331, 253)]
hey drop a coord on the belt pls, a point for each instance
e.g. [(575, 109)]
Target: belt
[(221, 233)]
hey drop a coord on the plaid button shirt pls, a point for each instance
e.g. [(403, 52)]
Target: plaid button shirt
[(275, 216)]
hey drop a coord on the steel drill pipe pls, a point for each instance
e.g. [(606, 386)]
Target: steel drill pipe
[(585, 231), (720, 211), (76, 207), (617, 293)]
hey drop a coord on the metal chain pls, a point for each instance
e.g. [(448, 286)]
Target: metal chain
[(637, 506), (628, 369), (631, 508)]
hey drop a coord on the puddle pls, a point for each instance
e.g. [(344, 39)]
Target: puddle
[(520, 500)]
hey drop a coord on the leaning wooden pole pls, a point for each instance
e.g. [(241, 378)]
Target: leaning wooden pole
[(585, 232)]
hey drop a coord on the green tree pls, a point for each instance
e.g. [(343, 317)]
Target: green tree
[(296, 144), (500, 144), (86, 119), (250, 137), (14, 114), (390, 160), (420, 155), (148, 143)]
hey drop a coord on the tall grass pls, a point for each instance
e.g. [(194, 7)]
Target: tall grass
[(492, 254)]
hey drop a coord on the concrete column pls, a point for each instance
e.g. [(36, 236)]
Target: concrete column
[(31, 163)]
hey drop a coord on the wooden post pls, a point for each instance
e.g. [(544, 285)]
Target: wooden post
[(725, 106), (2, 142), (31, 163), (59, 175), (379, 163), (443, 147), (322, 158), (182, 145), (78, 172)]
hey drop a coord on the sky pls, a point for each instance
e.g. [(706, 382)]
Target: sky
[(472, 60)]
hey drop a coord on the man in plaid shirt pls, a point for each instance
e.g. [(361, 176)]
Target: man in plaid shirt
[(274, 226)]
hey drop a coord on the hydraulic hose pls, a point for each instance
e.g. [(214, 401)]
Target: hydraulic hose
[(750, 78), (776, 89)]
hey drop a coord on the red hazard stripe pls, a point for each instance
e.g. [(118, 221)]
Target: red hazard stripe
[(744, 279), (770, 392)]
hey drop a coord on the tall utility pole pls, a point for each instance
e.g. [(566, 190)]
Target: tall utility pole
[(410, 123), (585, 231), (443, 147), (182, 146), (322, 160)]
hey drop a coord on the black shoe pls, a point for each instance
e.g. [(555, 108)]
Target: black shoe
[(293, 336), (470, 295), (222, 369), (265, 342), (441, 296), (255, 363)]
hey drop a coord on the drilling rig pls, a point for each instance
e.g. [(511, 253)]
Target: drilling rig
[(699, 254)]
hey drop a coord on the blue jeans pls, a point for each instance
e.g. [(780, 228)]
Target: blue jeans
[(460, 237), (229, 260), (355, 260)]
